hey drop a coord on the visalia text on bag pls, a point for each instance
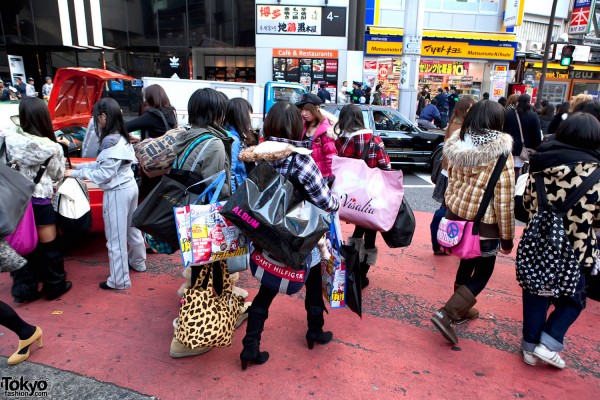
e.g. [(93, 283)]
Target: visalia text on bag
[(352, 204)]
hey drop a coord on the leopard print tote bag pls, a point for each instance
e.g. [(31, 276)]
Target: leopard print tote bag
[(205, 319)]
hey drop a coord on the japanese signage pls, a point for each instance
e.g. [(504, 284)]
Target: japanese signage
[(513, 14), (472, 49), (300, 20), (442, 68), (581, 17), (306, 66)]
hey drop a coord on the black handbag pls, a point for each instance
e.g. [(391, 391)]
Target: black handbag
[(15, 194), (155, 215), (272, 212), (353, 280), (404, 227)]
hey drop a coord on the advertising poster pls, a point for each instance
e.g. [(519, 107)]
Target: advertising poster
[(293, 70), (17, 68), (318, 67), (279, 65), (331, 69)]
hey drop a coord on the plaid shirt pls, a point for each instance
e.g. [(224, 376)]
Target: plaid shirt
[(352, 145), (307, 173), (466, 186)]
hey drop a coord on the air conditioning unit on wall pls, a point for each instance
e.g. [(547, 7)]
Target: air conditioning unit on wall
[(521, 45), (534, 46)]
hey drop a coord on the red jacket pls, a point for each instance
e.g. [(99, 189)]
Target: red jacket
[(323, 145)]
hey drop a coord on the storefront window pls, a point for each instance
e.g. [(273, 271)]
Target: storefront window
[(490, 6), (585, 88), (555, 92)]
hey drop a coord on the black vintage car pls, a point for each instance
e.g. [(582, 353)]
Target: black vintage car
[(406, 144)]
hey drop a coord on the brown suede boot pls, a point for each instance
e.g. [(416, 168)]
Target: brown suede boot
[(470, 315), (461, 301)]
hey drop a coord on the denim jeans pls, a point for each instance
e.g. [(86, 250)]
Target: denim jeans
[(550, 330), (435, 222)]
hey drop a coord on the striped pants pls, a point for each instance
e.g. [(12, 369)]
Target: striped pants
[(125, 243)]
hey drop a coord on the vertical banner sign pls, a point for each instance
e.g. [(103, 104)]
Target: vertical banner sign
[(581, 17), (17, 68)]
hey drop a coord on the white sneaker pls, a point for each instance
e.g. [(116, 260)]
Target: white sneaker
[(529, 358), (549, 356)]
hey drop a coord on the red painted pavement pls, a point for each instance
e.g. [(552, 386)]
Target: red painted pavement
[(123, 337)]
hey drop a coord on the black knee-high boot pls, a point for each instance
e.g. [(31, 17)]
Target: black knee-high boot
[(314, 317), (256, 323), (53, 270), (25, 286)]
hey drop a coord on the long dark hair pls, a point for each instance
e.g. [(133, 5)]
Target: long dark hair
[(206, 107), (283, 121), (461, 108), (350, 119), (563, 108), (238, 118), (114, 118), (483, 115), (581, 130), (524, 104), (34, 118), (156, 97)]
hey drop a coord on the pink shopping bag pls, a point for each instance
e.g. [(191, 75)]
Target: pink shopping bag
[(25, 238), (369, 197)]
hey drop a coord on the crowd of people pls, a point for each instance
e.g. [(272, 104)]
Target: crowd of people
[(483, 140), (20, 89)]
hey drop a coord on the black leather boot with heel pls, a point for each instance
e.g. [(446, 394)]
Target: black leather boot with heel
[(315, 334), (251, 353), (53, 271)]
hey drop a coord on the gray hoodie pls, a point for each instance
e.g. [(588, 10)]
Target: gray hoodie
[(112, 169)]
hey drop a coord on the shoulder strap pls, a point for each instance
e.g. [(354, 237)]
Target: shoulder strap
[(41, 171), (489, 190), (197, 160), (365, 153), (581, 190), (156, 111), (290, 166), (178, 164), (520, 128)]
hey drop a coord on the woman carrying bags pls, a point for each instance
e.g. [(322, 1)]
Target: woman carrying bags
[(318, 132), (472, 155), (113, 174), (523, 124), (30, 148), (352, 142), (283, 148)]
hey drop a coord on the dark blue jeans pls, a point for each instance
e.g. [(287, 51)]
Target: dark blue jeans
[(550, 330), (435, 222)]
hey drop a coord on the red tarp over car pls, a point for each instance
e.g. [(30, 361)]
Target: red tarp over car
[(74, 94)]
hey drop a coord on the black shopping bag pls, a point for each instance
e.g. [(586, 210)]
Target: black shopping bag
[(404, 227), (272, 212), (353, 281), (155, 215)]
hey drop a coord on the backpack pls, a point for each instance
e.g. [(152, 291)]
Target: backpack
[(546, 261), (156, 155)]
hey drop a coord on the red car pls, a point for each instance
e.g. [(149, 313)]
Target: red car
[(71, 102)]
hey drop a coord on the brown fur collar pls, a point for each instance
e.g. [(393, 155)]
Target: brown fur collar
[(271, 151)]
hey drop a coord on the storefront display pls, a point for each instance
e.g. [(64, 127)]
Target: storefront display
[(317, 66)]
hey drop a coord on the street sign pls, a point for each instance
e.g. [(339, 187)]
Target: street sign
[(411, 45), (581, 17)]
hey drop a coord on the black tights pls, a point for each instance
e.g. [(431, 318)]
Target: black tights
[(10, 319), (314, 296), (475, 273), (368, 234)]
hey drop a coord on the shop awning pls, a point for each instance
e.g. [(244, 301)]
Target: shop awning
[(428, 33), (593, 68)]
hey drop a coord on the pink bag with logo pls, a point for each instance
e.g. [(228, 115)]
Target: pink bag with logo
[(369, 197), (25, 238), (459, 238)]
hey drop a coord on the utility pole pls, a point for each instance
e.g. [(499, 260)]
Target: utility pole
[(414, 14), (538, 101)]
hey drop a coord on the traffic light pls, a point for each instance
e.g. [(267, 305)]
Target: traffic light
[(567, 55)]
